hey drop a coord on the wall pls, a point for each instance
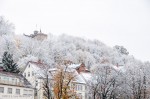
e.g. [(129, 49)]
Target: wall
[(35, 82), (25, 93)]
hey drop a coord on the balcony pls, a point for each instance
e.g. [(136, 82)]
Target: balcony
[(11, 83)]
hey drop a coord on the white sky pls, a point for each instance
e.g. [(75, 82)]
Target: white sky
[(114, 22)]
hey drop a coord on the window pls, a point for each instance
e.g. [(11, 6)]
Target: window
[(36, 83), (80, 87), (9, 91), (30, 90), (25, 92), (80, 95), (6, 79), (24, 74), (73, 86), (1, 89), (13, 81), (29, 66), (18, 91), (16, 81), (86, 87), (28, 74), (32, 73), (76, 87)]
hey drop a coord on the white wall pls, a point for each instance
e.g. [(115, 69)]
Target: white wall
[(80, 89), (30, 78), (35, 82), (28, 91)]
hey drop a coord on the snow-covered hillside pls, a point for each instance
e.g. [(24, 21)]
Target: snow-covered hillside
[(115, 73)]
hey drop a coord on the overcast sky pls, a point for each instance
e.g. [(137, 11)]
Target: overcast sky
[(114, 22)]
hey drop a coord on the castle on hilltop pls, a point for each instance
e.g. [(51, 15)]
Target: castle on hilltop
[(38, 35)]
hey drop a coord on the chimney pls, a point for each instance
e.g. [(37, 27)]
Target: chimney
[(82, 68), (35, 32), (39, 61)]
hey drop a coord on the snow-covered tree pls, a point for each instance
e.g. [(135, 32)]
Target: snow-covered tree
[(121, 50), (104, 82), (8, 64), (137, 81), (6, 28)]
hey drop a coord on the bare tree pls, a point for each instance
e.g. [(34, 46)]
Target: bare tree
[(46, 87), (104, 82), (138, 83), (62, 80)]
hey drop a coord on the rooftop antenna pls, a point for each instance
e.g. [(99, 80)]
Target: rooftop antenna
[(40, 30)]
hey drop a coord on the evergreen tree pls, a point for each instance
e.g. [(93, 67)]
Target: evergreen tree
[(8, 64)]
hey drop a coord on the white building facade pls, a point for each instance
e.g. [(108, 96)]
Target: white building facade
[(15, 86), (34, 74), (80, 84)]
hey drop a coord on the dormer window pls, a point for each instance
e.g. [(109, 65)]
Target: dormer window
[(32, 73), (24, 74)]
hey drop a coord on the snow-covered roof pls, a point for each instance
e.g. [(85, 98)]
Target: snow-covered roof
[(39, 69), (82, 77), (18, 76), (119, 68), (86, 76), (74, 66), (79, 79), (52, 69)]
